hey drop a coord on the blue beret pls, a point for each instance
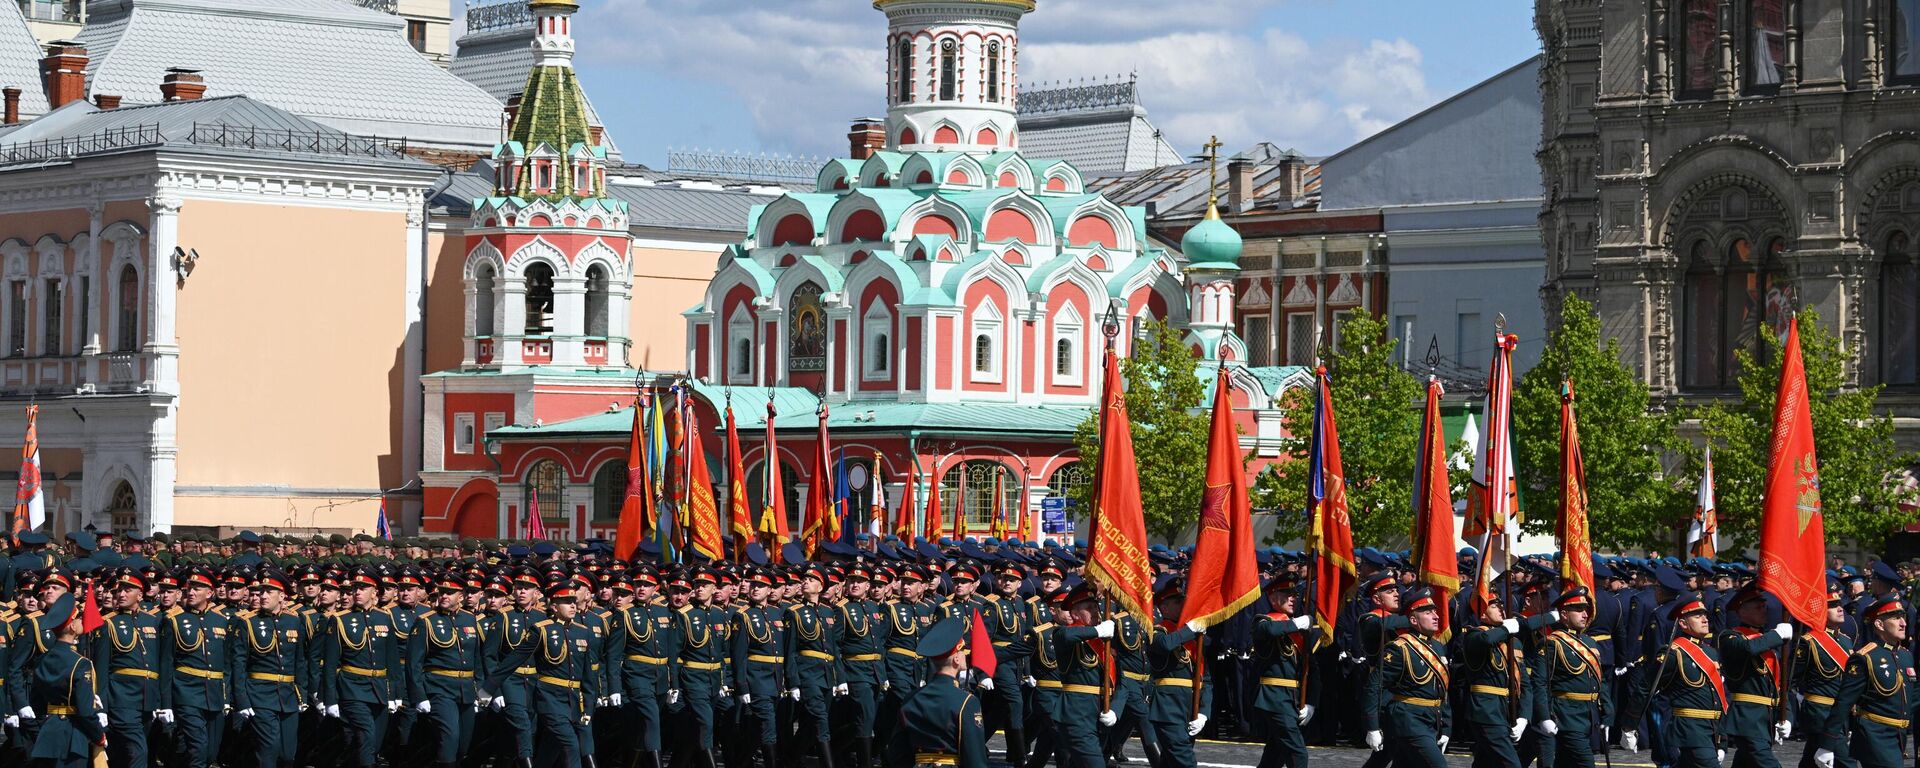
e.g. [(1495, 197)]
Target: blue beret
[(1884, 572)]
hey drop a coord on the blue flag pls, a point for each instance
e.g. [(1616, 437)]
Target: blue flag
[(380, 528)]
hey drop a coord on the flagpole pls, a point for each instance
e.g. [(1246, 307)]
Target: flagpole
[(1109, 327)]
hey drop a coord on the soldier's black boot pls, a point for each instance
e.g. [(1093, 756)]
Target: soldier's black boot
[(863, 752), (704, 759), (1016, 746), (587, 761), (1153, 752), (826, 753)]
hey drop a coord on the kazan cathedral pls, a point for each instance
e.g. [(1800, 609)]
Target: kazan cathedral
[(943, 298)]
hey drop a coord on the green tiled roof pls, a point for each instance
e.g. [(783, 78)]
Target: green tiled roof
[(551, 112)]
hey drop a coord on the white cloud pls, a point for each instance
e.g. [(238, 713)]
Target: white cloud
[(803, 68)]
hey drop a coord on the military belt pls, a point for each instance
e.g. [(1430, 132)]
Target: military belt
[(821, 655), (269, 677), (1174, 682), (1417, 701), (862, 657), (363, 671), (1882, 719), (1697, 714), (1490, 690), (202, 673), (701, 665), (1284, 682), (1749, 698), (1577, 696), (1049, 684), (908, 652), (140, 673), (765, 659), (525, 671), (462, 674), (1814, 698), (60, 709), (1087, 689), (643, 659), (1140, 676), (551, 680), (935, 758)]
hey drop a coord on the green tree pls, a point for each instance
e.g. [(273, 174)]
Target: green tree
[(1376, 408), (1164, 392), (1631, 502), (1861, 486)]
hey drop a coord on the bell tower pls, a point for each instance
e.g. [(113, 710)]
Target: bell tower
[(952, 74)]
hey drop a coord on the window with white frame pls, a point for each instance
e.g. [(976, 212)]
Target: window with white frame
[(491, 422), (740, 346), (877, 355), (463, 433), (986, 343), (1067, 330)]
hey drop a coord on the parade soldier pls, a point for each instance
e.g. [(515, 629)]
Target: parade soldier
[(270, 672), (1574, 683), (908, 616), (1378, 627), (63, 690), (125, 652), (1043, 716), (442, 656), (1751, 662), (193, 671), (1008, 626), (700, 639), (1688, 674), (863, 635), (1181, 699), (813, 662), (360, 664), (759, 648), (1081, 676), (1819, 662), (564, 685), (1129, 700), (1280, 656), (1875, 703), (1413, 676), (510, 675), (940, 725), (641, 628), (30, 640), (1497, 708)]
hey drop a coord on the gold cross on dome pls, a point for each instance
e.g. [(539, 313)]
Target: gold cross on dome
[(1212, 156)]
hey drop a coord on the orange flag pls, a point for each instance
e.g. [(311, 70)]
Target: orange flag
[(819, 492), (933, 525), (1576, 548), (1117, 554), (1330, 536), (1224, 577), (739, 518), (703, 533), (773, 517), (1434, 562), (903, 525), (1793, 547), (633, 509)]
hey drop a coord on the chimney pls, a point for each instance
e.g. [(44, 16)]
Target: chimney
[(1239, 186), (64, 73), (12, 95), (868, 135), (105, 101), (182, 84), (594, 134), (513, 109)]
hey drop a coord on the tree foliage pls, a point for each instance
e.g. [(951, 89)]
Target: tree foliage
[(1631, 502), (1861, 468), (1376, 408), (1164, 399)]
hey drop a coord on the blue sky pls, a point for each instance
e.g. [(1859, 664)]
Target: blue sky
[(786, 76)]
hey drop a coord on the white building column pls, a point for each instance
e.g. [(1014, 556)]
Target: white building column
[(90, 342), (162, 457), (569, 320), (512, 327), (162, 347), (620, 323)]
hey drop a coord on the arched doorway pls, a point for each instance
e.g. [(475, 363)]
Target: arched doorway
[(123, 508), (478, 515)]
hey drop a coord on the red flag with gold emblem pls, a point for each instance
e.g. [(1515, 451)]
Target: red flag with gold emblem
[(1117, 555), (1433, 556), (932, 525), (1224, 577), (1330, 536), (634, 509), (820, 508), (1793, 546), (703, 512), (739, 517), (773, 515), (1576, 546)]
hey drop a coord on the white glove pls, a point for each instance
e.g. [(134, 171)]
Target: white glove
[(10, 721), (1630, 741), (793, 693), (746, 698), (103, 720), (1548, 727), (1519, 728), (26, 713), (1029, 682), (1109, 718), (886, 685), (1301, 623), (1781, 731), (614, 699), (162, 715), (586, 719), (498, 703), (393, 705), (725, 692), (1103, 629), (673, 696), (1618, 671), (1443, 743), (986, 683), (333, 711), (1606, 733), (1784, 630), (477, 704), (226, 709), (841, 689), (1823, 758), (1553, 616), (424, 707), (1306, 713), (1196, 627), (1375, 741), (1194, 726), (1720, 756), (246, 713), (1512, 626)]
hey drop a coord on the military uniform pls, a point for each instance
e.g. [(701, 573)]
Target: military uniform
[(1819, 665), (1493, 664), (1180, 695), (1751, 663), (863, 631), (642, 633), (700, 636), (564, 689), (1577, 695), (941, 724), (813, 667), (125, 654), (1280, 658), (443, 656), (759, 639), (1874, 705), (1008, 625), (1688, 675), (194, 662), (362, 669), (1413, 679), (271, 675), (1081, 676), (63, 691)]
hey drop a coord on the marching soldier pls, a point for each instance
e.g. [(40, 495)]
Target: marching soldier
[(193, 671), (1819, 663), (1495, 710), (1875, 703), (1688, 674), (700, 637), (63, 688), (1043, 717), (941, 722), (564, 687), (1413, 677), (1129, 700), (759, 661), (270, 672), (360, 664), (908, 616), (1081, 677), (641, 629), (511, 673), (1007, 626), (1575, 684), (1751, 661), (1280, 657), (813, 662), (863, 635), (1378, 627), (442, 657), (1181, 699), (125, 653)]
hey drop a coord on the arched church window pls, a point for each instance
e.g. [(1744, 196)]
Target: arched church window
[(1765, 45), (906, 71), (542, 491), (129, 296), (539, 299), (483, 301), (124, 509), (1699, 36), (949, 62), (1900, 310), (993, 71), (596, 324), (1063, 361), (1730, 305), (609, 491), (978, 490), (983, 353)]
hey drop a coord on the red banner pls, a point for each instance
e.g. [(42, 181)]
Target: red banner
[(773, 513), (1434, 562), (1117, 556), (1793, 547), (739, 517), (903, 525), (634, 509), (820, 512), (980, 654), (933, 525), (703, 533), (1330, 537), (1224, 576), (1576, 546)]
